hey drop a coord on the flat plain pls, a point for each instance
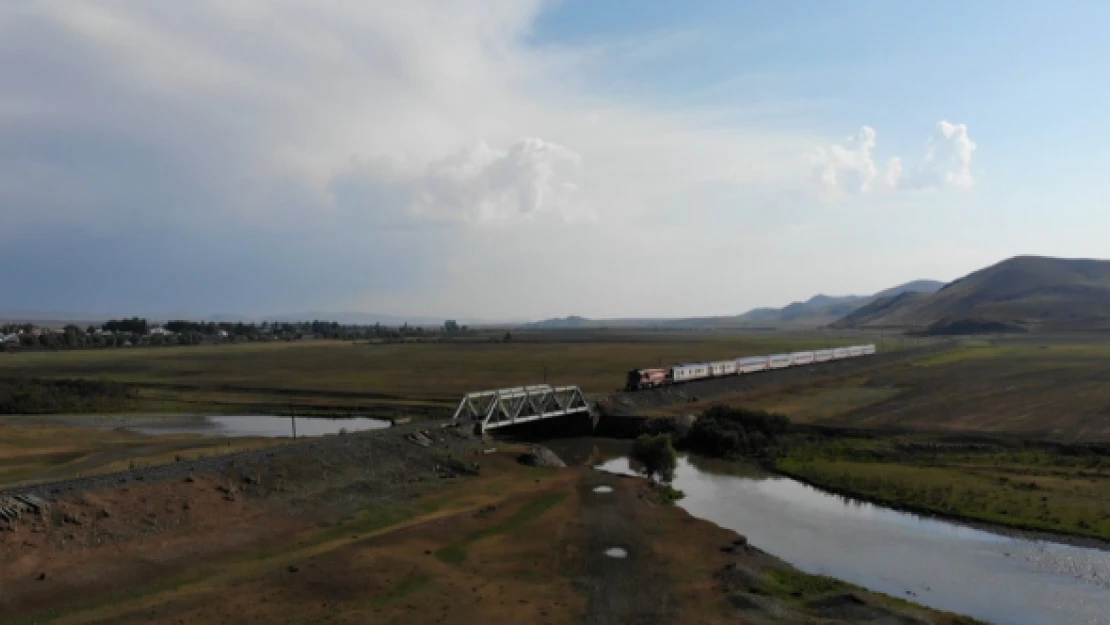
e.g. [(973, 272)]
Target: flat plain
[(393, 376)]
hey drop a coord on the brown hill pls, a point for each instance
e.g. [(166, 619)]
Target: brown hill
[(1029, 290)]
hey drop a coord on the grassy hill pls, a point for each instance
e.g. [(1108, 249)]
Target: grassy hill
[(1030, 290)]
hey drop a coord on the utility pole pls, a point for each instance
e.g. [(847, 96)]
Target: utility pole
[(293, 417), (545, 374)]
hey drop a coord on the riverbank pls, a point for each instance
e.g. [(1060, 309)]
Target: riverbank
[(999, 482), (944, 565), (1039, 492)]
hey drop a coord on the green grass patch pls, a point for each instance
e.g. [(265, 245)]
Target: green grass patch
[(456, 553), (966, 352), (1036, 489), (792, 582)]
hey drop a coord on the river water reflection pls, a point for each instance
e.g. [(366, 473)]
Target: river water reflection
[(265, 426), (944, 565)]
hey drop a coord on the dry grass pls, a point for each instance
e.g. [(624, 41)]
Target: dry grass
[(329, 373), (1051, 391), (31, 453)]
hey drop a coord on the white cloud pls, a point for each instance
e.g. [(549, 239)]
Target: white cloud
[(848, 168), (947, 161), (476, 185), (851, 168)]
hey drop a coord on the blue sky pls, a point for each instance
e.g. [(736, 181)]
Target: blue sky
[(448, 159)]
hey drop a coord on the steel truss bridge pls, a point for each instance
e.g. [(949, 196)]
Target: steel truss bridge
[(512, 406)]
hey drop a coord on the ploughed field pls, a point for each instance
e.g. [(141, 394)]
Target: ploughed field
[(371, 527), (367, 378)]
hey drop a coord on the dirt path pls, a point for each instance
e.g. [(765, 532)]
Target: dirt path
[(631, 590)]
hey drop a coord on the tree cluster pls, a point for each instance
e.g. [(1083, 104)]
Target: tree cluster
[(139, 331), (727, 432), (656, 455)]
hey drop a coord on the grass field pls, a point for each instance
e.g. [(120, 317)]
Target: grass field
[(1035, 389), (30, 452), (1030, 488), (404, 376)]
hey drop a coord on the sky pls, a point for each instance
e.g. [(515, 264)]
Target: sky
[(522, 159)]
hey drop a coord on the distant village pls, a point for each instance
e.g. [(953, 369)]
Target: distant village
[(139, 332)]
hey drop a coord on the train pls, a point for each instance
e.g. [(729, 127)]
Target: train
[(639, 379)]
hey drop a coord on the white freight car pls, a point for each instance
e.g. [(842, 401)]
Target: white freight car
[(780, 361), (801, 358), (722, 367), (748, 364), (685, 373), (751, 364)]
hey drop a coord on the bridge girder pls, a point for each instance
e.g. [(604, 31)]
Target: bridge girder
[(522, 404)]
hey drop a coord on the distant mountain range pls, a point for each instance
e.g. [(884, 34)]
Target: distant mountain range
[(1025, 290), (824, 309), (1020, 293), (818, 310)]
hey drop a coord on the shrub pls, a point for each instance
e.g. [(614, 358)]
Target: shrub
[(656, 454), (728, 432), (34, 396)]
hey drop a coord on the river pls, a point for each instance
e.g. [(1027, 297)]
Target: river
[(945, 565), (264, 426)]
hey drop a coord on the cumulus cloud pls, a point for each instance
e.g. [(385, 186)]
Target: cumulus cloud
[(848, 168), (477, 185), (947, 161), (851, 168), (481, 184)]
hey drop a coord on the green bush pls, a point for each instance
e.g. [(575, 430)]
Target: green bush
[(656, 454), (728, 432)]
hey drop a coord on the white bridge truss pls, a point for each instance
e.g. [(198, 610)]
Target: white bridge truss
[(512, 406)]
